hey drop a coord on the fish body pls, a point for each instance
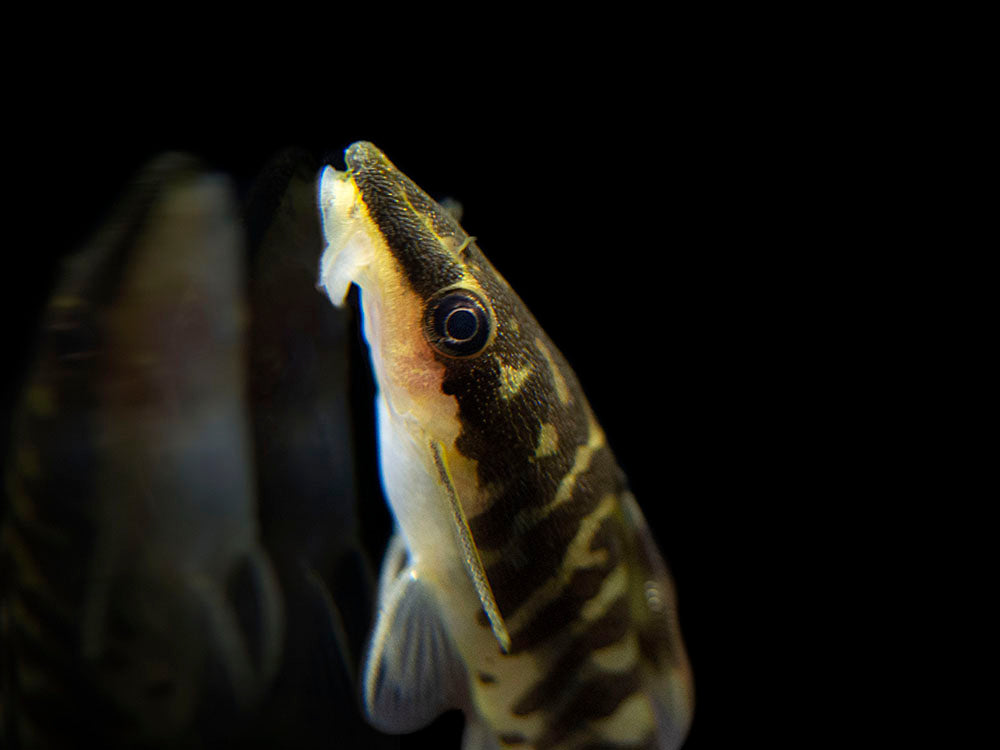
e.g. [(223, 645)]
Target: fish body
[(136, 591), (522, 585)]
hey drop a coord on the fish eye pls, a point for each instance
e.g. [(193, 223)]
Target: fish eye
[(457, 323)]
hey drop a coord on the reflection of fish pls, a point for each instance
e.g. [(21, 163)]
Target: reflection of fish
[(138, 602), (523, 585), (304, 467)]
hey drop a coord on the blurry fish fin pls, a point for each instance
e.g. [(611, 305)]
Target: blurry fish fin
[(412, 671), (477, 736), (396, 558), (453, 206), (651, 559), (337, 646), (470, 553), (354, 581), (672, 726), (247, 625), (673, 690)]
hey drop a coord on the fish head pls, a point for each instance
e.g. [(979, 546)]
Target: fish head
[(462, 367), (421, 305), (458, 359)]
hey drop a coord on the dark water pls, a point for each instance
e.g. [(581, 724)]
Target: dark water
[(633, 254)]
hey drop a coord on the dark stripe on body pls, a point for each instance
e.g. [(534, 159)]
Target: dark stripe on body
[(596, 698), (529, 559), (562, 612), (584, 584), (564, 672)]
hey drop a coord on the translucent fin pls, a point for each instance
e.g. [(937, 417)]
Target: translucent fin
[(412, 671), (338, 644), (251, 628), (470, 552), (673, 689)]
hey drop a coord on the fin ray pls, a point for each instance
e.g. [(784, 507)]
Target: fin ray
[(412, 670), (470, 554)]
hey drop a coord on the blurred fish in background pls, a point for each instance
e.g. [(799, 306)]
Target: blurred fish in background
[(307, 491), (181, 564), (129, 525)]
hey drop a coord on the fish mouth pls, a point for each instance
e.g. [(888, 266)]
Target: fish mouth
[(364, 155), (348, 250), (352, 256)]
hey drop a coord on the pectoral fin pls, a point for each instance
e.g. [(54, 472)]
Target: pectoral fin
[(412, 670), (470, 553)]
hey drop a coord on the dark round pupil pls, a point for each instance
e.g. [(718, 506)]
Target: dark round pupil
[(457, 323), (461, 324)]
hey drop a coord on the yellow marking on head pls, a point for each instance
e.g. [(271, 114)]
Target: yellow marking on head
[(449, 243), (513, 378), (578, 555), (562, 390), (40, 401), (548, 441)]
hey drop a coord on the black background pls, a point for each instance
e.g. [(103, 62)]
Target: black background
[(677, 244)]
